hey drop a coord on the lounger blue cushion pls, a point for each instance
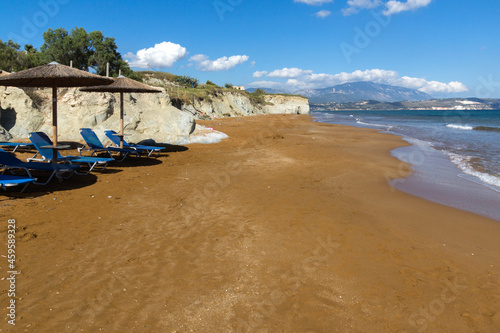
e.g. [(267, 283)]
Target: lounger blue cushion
[(9, 161), (41, 139), (96, 145), (7, 180)]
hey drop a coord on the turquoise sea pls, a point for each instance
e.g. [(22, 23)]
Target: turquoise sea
[(455, 153)]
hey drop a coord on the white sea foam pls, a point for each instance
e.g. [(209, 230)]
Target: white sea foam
[(460, 127), (463, 164), (418, 142), (320, 116), (358, 121)]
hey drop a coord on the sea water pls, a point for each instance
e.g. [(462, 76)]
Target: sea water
[(455, 154)]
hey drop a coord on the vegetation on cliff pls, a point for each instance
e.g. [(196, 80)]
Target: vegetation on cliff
[(185, 89), (87, 51)]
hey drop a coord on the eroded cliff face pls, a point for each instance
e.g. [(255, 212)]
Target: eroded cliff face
[(228, 104), (283, 104), (147, 116)]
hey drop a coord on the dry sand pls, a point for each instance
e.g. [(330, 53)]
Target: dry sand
[(287, 226)]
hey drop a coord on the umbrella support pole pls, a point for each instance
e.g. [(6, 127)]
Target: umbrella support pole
[(123, 85), (121, 120), (54, 122)]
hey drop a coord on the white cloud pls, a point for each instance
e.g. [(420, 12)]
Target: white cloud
[(323, 13), (259, 73), (305, 79), (431, 87), (161, 55), (221, 64), (288, 72), (266, 84), (391, 7), (356, 5), (198, 58), (313, 2), (394, 7)]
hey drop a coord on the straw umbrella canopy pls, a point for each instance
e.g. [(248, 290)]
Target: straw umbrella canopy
[(122, 85), (53, 75)]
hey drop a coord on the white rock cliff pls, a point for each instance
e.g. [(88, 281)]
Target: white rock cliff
[(147, 116), (229, 104)]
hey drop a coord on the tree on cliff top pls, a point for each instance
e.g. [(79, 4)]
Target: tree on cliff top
[(86, 50), (8, 56), (12, 59)]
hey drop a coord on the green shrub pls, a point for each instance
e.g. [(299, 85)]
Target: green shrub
[(187, 81)]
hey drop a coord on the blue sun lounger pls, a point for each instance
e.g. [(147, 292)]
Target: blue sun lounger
[(113, 136), (9, 181), (17, 145), (40, 139), (11, 163), (95, 145)]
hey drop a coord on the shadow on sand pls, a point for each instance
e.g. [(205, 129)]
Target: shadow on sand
[(136, 162), (172, 148), (33, 191), (81, 181)]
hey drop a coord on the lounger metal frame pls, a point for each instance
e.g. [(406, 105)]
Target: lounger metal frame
[(95, 145), (115, 139), (17, 145)]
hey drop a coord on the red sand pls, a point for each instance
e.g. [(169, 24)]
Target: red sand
[(287, 226)]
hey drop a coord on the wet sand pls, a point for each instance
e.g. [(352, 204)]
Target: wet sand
[(287, 226), (441, 181)]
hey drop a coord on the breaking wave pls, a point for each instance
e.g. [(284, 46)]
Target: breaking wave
[(477, 128), (461, 127), (463, 163)]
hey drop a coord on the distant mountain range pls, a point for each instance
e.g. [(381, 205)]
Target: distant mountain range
[(435, 104), (356, 92)]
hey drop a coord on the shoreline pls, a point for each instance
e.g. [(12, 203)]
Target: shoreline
[(435, 178), (441, 181), (288, 224)]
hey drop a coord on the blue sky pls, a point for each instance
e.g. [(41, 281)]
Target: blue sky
[(442, 47)]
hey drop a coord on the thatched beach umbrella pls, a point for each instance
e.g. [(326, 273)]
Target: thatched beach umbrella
[(122, 85), (53, 75)]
